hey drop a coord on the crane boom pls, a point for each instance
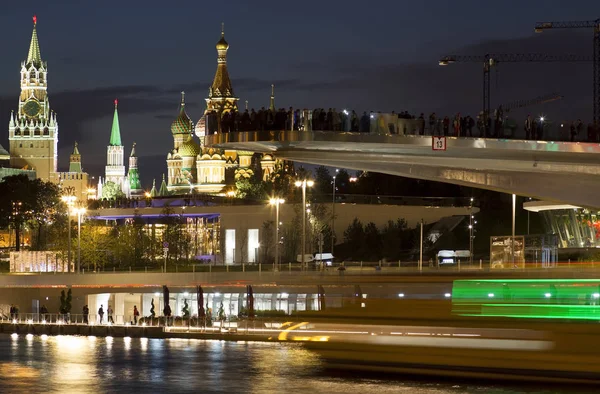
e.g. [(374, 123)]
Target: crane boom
[(539, 26), (534, 101), (513, 58)]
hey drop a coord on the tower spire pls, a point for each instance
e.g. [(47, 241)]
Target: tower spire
[(272, 103), (75, 160), (182, 99), (34, 56), (133, 175), (115, 132)]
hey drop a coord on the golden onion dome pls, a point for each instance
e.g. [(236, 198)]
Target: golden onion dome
[(222, 45), (182, 124), (189, 148)]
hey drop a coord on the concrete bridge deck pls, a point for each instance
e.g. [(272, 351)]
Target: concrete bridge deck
[(567, 172)]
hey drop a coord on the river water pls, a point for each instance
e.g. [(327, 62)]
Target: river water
[(71, 364)]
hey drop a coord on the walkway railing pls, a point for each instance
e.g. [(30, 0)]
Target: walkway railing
[(172, 324)]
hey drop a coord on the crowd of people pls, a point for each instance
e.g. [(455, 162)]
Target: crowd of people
[(458, 125)]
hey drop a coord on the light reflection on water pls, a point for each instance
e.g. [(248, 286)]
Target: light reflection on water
[(74, 364)]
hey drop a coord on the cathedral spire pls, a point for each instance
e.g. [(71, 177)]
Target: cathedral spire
[(34, 56), (221, 86), (272, 103), (115, 132)]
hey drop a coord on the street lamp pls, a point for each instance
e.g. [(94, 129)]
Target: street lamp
[(69, 199), (333, 214), (276, 202), (80, 212), (471, 228), (303, 184)]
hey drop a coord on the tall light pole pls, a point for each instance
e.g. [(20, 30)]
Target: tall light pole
[(471, 232), (276, 202), (514, 206), (333, 214), (80, 212), (69, 199), (303, 185)]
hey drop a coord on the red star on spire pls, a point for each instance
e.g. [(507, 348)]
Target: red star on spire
[(116, 102), (35, 20)]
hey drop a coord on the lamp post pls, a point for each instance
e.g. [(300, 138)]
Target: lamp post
[(471, 232), (333, 214), (512, 243), (69, 199), (303, 184), (80, 212), (276, 202)]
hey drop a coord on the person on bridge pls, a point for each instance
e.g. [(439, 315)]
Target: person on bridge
[(365, 123), (573, 131), (109, 313), (86, 314), (528, 127), (354, 121), (421, 122), (432, 122), (136, 314), (101, 313), (446, 126), (457, 125)]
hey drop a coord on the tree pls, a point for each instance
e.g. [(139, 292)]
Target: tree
[(28, 202), (342, 182), (68, 301), (63, 303), (97, 243), (281, 181), (393, 239), (267, 243), (323, 180), (186, 309), (152, 314), (112, 191), (372, 242), (354, 236)]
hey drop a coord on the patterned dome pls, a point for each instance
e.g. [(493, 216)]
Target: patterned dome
[(189, 148), (200, 129), (182, 124)]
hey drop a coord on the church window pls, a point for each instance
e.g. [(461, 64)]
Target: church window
[(36, 131), (31, 145), (20, 145), (46, 131), (17, 131), (26, 132)]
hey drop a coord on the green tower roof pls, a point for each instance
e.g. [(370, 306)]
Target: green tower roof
[(153, 191), (115, 132), (163, 192), (133, 173), (75, 160), (34, 56)]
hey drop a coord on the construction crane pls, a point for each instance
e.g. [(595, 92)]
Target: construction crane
[(492, 60), (534, 101), (595, 24)]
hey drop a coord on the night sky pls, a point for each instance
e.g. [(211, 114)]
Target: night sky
[(376, 55)]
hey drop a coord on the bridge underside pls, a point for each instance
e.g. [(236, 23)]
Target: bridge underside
[(556, 171)]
